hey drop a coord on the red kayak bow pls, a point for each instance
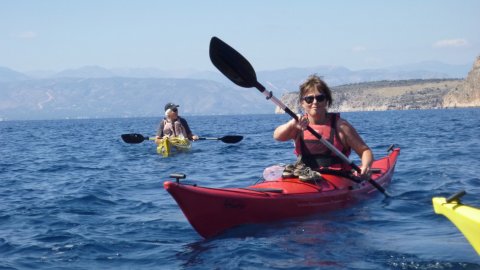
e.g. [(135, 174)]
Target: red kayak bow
[(213, 210)]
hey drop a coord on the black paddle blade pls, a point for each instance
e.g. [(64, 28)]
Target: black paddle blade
[(133, 138), (231, 139), (232, 64)]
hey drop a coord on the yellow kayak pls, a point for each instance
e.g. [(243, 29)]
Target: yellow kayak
[(466, 218), (168, 146)]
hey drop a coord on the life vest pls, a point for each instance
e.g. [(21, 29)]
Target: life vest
[(174, 129), (314, 153)]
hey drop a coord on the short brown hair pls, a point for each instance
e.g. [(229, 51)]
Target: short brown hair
[(315, 82)]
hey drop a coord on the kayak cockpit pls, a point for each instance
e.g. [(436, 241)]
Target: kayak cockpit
[(291, 186)]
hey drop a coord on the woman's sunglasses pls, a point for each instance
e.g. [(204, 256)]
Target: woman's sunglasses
[(319, 98)]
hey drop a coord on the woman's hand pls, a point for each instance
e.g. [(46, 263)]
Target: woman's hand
[(289, 130), (302, 123), (365, 171), (367, 159)]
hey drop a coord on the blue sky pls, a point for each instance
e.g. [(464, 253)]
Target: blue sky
[(174, 35)]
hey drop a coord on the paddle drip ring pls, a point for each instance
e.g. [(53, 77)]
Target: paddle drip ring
[(270, 95)]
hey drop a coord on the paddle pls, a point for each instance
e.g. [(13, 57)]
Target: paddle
[(225, 139), (135, 138), (237, 68), (139, 138)]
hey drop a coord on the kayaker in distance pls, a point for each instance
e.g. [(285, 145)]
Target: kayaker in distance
[(315, 97), (173, 125)]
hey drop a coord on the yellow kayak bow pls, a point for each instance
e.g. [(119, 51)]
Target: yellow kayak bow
[(466, 218), (173, 144)]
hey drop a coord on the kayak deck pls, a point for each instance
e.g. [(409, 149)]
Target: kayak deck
[(465, 218), (167, 146), (211, 211)]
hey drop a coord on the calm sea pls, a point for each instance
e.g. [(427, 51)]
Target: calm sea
[(73, 195)]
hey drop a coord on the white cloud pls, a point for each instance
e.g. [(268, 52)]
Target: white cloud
[(27, 35), (359, 49), (449, 43)]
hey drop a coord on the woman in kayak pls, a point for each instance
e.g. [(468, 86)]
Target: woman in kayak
[(315, 98), (173, 125)]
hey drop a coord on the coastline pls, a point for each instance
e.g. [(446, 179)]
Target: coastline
[(394, 95)]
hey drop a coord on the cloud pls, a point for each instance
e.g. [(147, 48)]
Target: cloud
[(451, 43), (27, 35), (359, 49)]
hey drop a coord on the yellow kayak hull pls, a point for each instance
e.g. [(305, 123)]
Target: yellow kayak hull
[(169, 146), (466, 218)]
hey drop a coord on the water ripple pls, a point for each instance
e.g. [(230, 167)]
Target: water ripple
[(99, 203)]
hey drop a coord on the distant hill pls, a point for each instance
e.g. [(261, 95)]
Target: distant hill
[(96, 92), (385, 95), (86, 72), (122, 97), (7, 75), (288, 78), (452, 71), (402, 95)]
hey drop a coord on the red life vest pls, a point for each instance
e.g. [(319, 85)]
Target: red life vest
[(314, 153)]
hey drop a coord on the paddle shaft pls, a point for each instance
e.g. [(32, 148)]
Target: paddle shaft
[(199, 138), (139, 138), (206, 138)]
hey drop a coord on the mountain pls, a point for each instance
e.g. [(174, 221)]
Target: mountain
[(85, 72), (288, 80), (123, 97), (386, 95), (10, 75), (97, 92), (402, 95), (452, 71)]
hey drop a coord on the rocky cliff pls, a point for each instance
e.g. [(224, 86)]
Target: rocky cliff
[(402, 95), (469, 94)]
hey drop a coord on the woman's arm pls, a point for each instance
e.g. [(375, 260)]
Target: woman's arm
[(350, 138), (287, 131)]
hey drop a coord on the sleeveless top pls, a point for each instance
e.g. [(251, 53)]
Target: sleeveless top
[(314, 153)]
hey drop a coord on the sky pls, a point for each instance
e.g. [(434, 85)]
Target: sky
[(272, 34)]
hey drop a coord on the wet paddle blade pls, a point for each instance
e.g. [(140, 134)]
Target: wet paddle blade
[(231, 139), (133, 138), (232, 64)]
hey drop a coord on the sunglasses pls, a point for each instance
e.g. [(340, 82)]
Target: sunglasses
[(319, 98), (174, 110)]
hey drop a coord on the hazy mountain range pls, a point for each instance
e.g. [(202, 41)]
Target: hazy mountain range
[(96, 92)]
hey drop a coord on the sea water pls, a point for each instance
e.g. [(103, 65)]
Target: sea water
[(73, 195)]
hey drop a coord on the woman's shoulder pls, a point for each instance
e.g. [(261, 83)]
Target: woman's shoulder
[(344, 126), (338, 118)]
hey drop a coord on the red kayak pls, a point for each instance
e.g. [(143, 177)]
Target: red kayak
[(213, 210)]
